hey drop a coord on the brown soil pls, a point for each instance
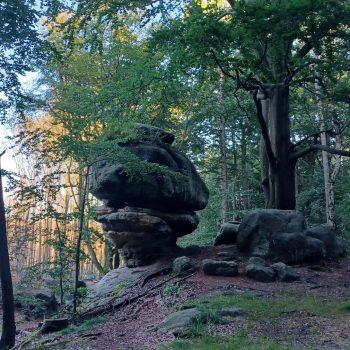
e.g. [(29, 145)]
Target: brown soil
[(129, 327)]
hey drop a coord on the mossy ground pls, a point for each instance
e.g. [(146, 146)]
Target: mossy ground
[(258, 309)]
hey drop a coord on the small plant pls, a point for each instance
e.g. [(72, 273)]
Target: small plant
[(87, 325), (31, 306), (170, 289)]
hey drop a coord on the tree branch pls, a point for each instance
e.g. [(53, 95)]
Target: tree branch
[(264, 130), (318, 147), (305, 49), (231, 2), (330, 132), (225, 72)]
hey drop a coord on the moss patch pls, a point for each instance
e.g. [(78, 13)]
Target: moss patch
[(238, 342), (269, 308)]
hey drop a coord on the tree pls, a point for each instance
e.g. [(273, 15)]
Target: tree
[(8, 320), (19, 42), (268, 48)]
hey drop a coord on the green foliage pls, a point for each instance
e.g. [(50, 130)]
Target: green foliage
[(19, 43), (170, 289), (87, 325), (30, 306)]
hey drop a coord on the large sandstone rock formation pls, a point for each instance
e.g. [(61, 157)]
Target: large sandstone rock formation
[(281, 235), (144, 215)]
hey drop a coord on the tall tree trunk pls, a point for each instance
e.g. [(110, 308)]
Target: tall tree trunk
[(93, 256), (234, 172), (280, 180), (83, 185), (328, 175), (331, 213), (223, 171), (264, 160), (244, 168), (8, 318), (283, 173)]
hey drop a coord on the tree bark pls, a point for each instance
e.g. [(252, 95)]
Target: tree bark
[(283, 173), (277, 148), (8, 319)]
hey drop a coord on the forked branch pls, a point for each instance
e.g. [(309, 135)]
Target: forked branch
[(318, 147)]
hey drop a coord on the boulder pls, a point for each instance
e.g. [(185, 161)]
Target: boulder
[(257, 227), (281, 235), (179, 188), (284, 272), (257, 261), (152, 133), (260, 272), (53, 325), (48, 297), (220, 268), (183, 265), (328, 235), (227, 234), (227, 256), (292, 248), (180, 320)]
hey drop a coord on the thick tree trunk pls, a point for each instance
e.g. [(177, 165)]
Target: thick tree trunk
[(264, 160), (279, 180), (8, 309)]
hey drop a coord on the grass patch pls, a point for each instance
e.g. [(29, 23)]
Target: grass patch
[(238, 342), (87, 325), (269, 308)]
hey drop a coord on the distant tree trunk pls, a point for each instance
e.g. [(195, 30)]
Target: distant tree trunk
[(328, 175), (93, 256), (234, 172), (331, 212), (83, 185), (8, 319), (244, 168), (223, 171)]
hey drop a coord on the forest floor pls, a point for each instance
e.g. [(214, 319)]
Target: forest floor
[(312, 313)]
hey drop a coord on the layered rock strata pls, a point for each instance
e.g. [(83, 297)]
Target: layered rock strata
[(144, 215)]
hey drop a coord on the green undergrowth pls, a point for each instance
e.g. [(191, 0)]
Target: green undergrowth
[(87, 325), (269, 308), (257, 309), (237, 342)]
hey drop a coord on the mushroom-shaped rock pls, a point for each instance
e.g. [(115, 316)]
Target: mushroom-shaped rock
[(144, 213), (175, 186)]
